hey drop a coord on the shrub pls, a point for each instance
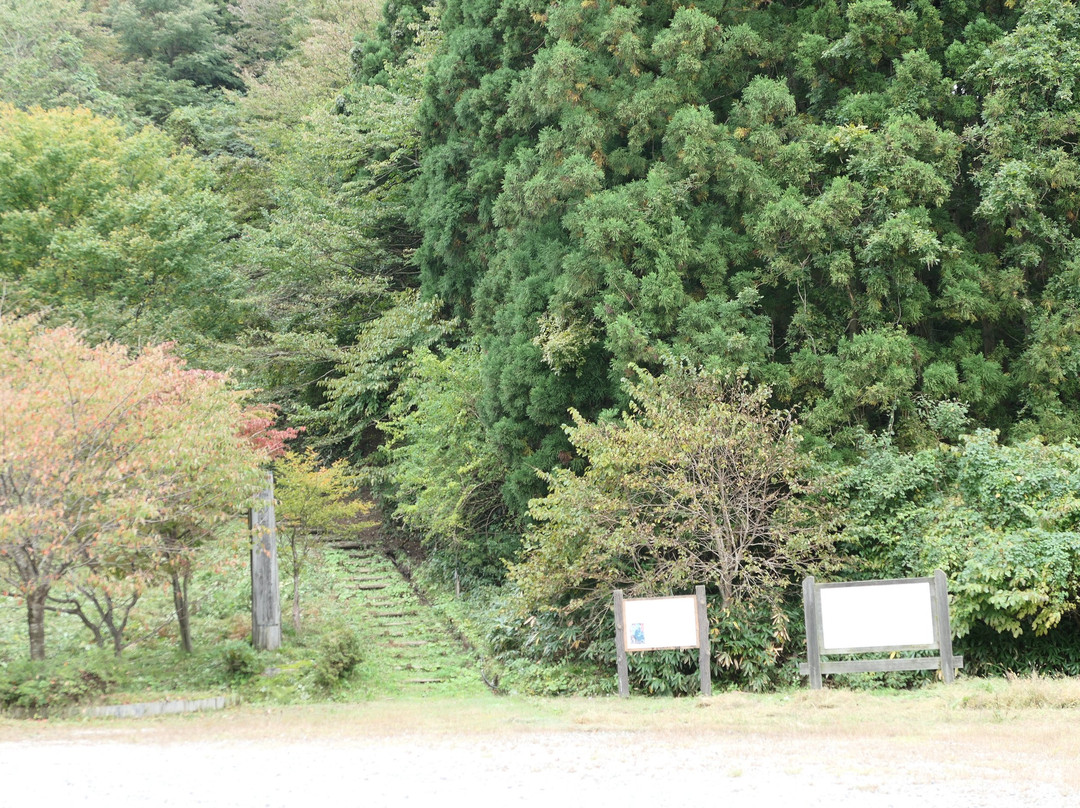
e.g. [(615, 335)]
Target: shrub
[(1002, 522), (338, 654), (239, 659), (39, 688)]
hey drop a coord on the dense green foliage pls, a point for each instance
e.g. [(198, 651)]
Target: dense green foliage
[(1001, 521), (130, 58), (870, 206), (700, 482), (861, 203), (442, 473), (123, 233), (44, 59), (34, 689), (495, 252)]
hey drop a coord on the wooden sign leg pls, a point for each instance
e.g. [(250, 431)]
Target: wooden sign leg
[(813, 632), (704, 644), (943, 628), (620, 647)]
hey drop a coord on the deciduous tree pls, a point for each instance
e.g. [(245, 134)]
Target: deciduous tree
[(442, 472), (109, 464), (43, 57), (313, 500), (701, 482), (118, 230)]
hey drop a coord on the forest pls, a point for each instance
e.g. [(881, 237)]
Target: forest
[(572, 296)]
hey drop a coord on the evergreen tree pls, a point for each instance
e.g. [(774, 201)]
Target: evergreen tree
[(865, 204)]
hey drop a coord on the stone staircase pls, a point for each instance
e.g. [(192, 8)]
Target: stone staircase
[(415, 650)]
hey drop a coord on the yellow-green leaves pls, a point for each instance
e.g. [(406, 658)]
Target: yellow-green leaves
[(116, 228)]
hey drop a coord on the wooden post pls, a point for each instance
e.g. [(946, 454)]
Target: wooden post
[(813, 632), (265, 591), (704, 644), (942, 627), (620, 647)]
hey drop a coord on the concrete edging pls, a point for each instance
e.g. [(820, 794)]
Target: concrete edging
[(147, 708)]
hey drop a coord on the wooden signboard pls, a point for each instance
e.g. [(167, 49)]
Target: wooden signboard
[(657, 624), (910, 614)]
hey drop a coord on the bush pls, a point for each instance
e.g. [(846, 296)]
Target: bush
[(752, 648), (39, 688), (650, 516), (990, 653), (1002, 522), (338, 654), (239, 659), (520, 675)]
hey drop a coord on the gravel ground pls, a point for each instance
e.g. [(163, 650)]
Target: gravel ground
[(559, 769)]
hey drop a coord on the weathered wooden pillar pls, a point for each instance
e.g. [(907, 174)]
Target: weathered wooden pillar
[(265, 591)]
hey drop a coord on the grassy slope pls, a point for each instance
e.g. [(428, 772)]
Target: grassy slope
[(153, 667)]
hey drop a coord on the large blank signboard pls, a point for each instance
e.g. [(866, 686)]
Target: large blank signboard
[(653, 624), (877, 615)]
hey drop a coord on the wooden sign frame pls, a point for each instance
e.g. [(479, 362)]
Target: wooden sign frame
[(703, 644), (946, 662)]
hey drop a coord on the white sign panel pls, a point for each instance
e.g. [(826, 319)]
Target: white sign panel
[(876, 615), (655, 623)]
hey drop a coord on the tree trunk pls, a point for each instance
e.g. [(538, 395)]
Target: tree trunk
[(35, 615), (117, 628), (295, 584), (180, 602), (117, 641), (72, 606), (296, 603)]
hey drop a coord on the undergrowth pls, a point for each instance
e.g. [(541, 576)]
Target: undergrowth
[(323, 658)]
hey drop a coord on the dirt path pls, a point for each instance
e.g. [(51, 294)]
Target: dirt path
[(499, 752), (549, 769)]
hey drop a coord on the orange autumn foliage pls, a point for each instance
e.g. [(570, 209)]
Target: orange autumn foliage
[(102, 453)]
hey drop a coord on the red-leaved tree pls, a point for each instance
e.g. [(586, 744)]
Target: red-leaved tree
[(112, 465)]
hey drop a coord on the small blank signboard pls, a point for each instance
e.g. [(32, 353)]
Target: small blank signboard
[(657, 624), (884, 615), (654, 624)]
